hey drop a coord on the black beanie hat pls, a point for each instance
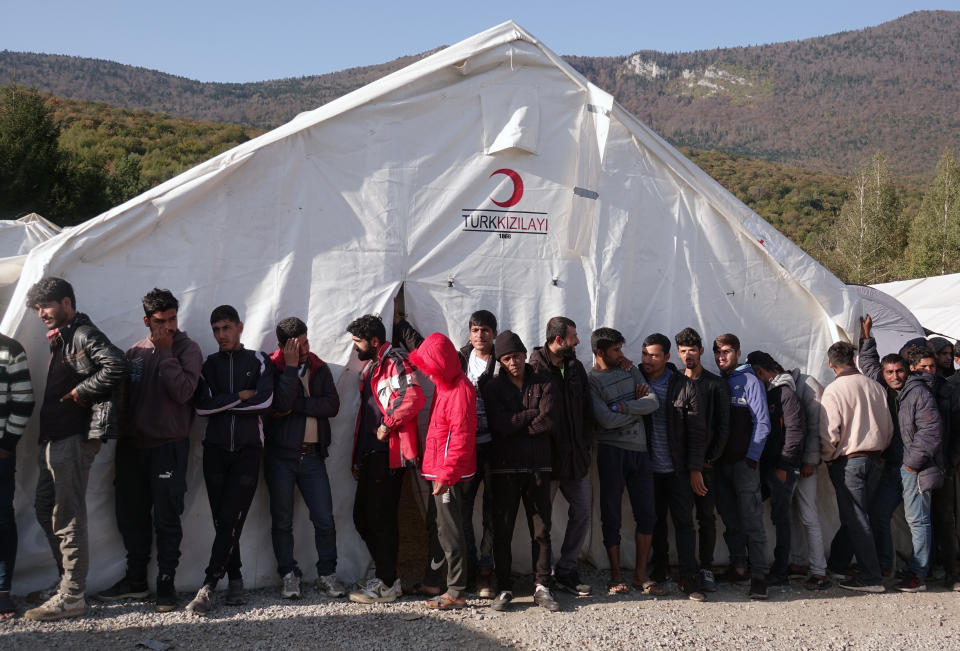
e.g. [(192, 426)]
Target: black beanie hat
[(508, 342)]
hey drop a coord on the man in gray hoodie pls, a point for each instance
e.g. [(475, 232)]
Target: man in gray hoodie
[(620, 399)]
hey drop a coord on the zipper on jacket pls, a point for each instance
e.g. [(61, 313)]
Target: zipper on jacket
[(233, 417)]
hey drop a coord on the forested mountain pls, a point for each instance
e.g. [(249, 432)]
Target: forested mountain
[(824, 103)]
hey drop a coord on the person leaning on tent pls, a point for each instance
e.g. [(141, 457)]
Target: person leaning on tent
[(75, 415), (297, 435), (152, 452), (521, 405), (16, 405), (571, 443), (235, 389), (384, 444), (715, 406), (737, 471), (620, 399), (449, 457), (856, 428), (780, 462), (478, 361)]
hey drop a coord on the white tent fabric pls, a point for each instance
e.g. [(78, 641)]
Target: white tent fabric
[(488, 175), (932, 300), (17, 238), (893, 324)]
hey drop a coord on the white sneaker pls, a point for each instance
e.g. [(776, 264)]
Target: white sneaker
[(331, 585), (376, 592), (59, 606), (291, 586)]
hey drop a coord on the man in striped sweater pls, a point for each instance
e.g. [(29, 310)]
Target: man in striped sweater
[(16, 405)]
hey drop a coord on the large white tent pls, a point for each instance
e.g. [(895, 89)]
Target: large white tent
[(17, 238), (932, 300), (488, 175), (893, 324)]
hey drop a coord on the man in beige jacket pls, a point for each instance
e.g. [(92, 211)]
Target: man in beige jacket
[(855, 428)]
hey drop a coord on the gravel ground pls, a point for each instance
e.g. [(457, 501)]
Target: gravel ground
[(793, 618)]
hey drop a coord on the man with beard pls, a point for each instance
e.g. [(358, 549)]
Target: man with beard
[(715, 406), (385, 443), (571, 443)]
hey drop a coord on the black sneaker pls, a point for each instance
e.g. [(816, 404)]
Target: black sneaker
[(125, 588), (708, 582), (758, 589), (732, 576), (912, 584), (502, 602), (166, 594), (777, 579), (570, 582), (543, 598), (815, 582), (690, 587)]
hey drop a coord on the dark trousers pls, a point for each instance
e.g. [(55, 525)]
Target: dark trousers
[(854, 480), (781, 500), (885, 496), (479, 555), (620, 469), (8, 523), (231, 479), (533, 489), (447, 541), (150, 484), (672, 493), (375, 512), (706, 510), (944, 525), (307, 472), (741, 508)]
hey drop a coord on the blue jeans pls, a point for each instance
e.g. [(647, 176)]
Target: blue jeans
[(853, 483), (781, 499), (309, 474), (886, 498), (916, 510), (8, 523)]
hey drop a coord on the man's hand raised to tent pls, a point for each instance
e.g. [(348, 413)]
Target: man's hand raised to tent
[(866, 324)]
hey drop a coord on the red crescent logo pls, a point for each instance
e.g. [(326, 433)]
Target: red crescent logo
[(517, 188)]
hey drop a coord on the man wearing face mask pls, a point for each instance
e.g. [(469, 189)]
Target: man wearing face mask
[(385, 443)]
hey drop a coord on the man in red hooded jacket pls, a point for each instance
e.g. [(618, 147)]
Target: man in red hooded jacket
[(449, 455)]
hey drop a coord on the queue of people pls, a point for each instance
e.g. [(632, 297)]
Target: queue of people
[(525, 424)]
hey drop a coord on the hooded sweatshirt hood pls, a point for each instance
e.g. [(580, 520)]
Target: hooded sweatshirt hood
[(438, 358), (783, 379)]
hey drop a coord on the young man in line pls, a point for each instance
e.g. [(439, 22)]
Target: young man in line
[(385, 443), (151, 458), (913, 463), (16, 405), (780, 461), (814, 565), (621, 399), (478, 361), (84, 371), (857, 428), (571, 444), (449, 457), (737, 471), (677, 437), (235, 390), (522, 409), (943, 350), (715, 405), (297, 437)]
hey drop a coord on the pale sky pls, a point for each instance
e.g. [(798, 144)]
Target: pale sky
[(242, 40)]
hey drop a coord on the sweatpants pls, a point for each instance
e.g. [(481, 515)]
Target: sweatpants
[(808, 518), (231, 479), (150, 484), (375, 512), (61, 506)]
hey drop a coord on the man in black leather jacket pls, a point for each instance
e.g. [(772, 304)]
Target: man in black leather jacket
[(85, 369)]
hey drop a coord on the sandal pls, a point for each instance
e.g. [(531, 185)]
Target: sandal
[(446, 602), (650, 588), (617, 588), (421, 590)]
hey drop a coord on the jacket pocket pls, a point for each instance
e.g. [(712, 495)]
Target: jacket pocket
[(929, 479)]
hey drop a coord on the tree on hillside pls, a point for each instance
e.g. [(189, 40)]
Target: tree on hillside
[(30, 156), (935, 233), (866, 244)]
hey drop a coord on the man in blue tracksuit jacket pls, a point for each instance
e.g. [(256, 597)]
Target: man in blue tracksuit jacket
[(737, 471)]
